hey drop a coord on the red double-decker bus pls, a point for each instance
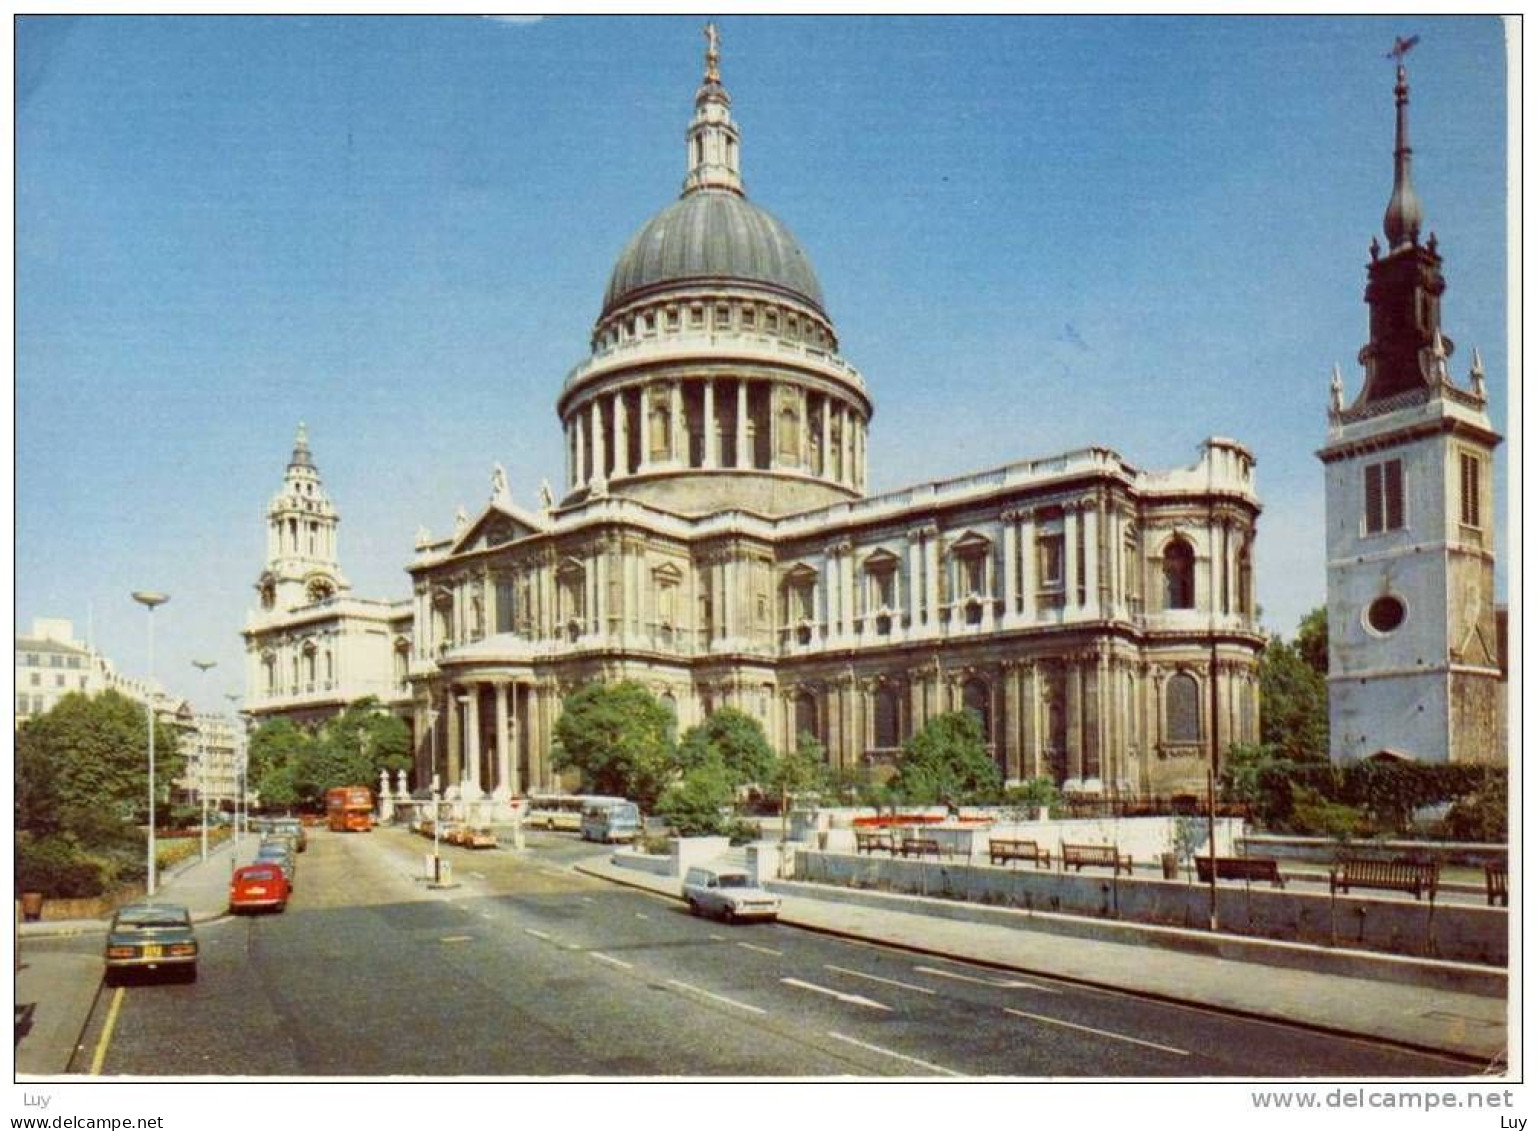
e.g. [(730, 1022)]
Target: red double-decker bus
[(350, 809)]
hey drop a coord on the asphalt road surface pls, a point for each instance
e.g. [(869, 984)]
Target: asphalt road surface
[(529, 969)]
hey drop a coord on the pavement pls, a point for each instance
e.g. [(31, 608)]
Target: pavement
[(1464, 1024), (55, 990)]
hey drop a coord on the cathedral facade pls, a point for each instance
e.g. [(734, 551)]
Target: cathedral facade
[(714, 539)]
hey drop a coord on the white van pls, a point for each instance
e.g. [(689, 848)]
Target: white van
[(731, 893), (607, 819)]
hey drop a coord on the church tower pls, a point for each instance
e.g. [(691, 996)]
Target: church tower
[(1409, 504), (301, 568)]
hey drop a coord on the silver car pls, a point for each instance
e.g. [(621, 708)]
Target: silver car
[(730, 893)]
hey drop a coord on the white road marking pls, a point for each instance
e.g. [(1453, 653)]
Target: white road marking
[(852, 999), (715, 997), (478, 875), (611, 961), (536, 934), (455, 938), (641, 915), (1098, 1032), (761, 949), (897, 1055), (486, 915), (587, 899), (719, 938), (994, 982), (878, 978)]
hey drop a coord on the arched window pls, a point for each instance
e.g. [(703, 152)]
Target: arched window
[(806, 716), (789, 436), (1182, 709), (976, 698), (270, 671), (661, 433), (887, 718), (1246, 581), (1178, 575)]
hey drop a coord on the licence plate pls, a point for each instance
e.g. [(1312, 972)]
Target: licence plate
[(256, 891), (152, 950)]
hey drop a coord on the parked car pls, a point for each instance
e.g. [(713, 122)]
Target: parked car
[(258, 887), (293, 829), (151, 936), (280, 852), (731, 893)]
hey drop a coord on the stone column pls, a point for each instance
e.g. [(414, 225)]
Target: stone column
[(1070, 562), (1010, 567), (773, 425), (599, 456), (931, 580), (1090, 520), (643, 425), (728, 597), (621, 437), (472, 739), (846, 597), (845, 449), (805, 430), (679, 436), (743, 456), (451, 718), (827, 437), (914, 582), (1011, 710), (579, 427), (710, 459), (503, 758), (830, 586), (600, 605), (1074, 712), (1027, 583), (1030, 710), (1115, 553)]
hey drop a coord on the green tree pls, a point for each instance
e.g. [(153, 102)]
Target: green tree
[(737, 740), (620, 738), (947, 761), (1294, 704), (1313, 640), (353, 747), (279, 762), (83, 768), (700, 804)]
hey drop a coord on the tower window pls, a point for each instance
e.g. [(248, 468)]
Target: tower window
[(1384, 496), (1385, 614), (1049, 551), (1179, 575), (1182, 705), (1472, 476)]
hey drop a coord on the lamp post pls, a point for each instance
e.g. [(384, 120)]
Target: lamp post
[(150, 601), (242, 721), (202, 763)]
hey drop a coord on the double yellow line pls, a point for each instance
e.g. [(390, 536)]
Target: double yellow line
[(106, 1033)]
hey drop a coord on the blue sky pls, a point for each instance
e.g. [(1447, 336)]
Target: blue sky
[(1033, 234)]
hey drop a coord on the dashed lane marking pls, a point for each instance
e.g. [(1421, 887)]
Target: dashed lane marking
[(761, 949), (898, 1055), (852, 999), (487, 915), (641, 915), (536, 934), (718, 938), (456, 938), (877, 978), (100, 1057), (996, 983), (716, 997), (1097, 1032), (611, 961)]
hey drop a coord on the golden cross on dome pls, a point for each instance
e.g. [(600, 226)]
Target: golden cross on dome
[(712, 52)]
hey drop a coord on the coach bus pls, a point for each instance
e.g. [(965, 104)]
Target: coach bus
[(560, 810), (350, 809)]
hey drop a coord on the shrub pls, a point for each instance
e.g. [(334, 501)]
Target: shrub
[(58, 868), (1484, 814), (700, 805), (1315, 815)]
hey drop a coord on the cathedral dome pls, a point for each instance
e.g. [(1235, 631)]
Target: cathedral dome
[(713, 236)]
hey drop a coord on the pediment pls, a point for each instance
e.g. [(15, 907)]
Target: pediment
[(881, 559), (497, 525), (971, 542), (800, 574), (667, 572)]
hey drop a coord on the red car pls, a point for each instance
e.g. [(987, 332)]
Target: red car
[(258, 886)]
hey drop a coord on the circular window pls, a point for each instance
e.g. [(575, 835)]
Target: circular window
[(1385, 614)]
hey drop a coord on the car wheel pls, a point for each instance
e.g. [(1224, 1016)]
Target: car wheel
[(110, 976), (728, 916), (190, 974)]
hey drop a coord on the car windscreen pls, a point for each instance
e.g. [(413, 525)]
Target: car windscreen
[(736, 881)]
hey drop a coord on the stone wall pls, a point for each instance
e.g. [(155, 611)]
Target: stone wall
[(1457, 932)]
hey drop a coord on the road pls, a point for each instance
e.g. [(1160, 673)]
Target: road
[(530, 969)]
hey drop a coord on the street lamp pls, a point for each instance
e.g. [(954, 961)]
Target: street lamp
[(150, 601), (240, 782), (202, 762), (437, 812)]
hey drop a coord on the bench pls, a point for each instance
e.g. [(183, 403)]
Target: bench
[(919, 846), (1497, 882), (1096, 855), (872, 842), (1240, 868), (1002, 851), (1385, 875)]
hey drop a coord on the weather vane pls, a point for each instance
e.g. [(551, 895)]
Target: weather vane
[(1402, 47)]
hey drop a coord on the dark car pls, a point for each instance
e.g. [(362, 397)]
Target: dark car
[(279, 851), (151, 936)]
